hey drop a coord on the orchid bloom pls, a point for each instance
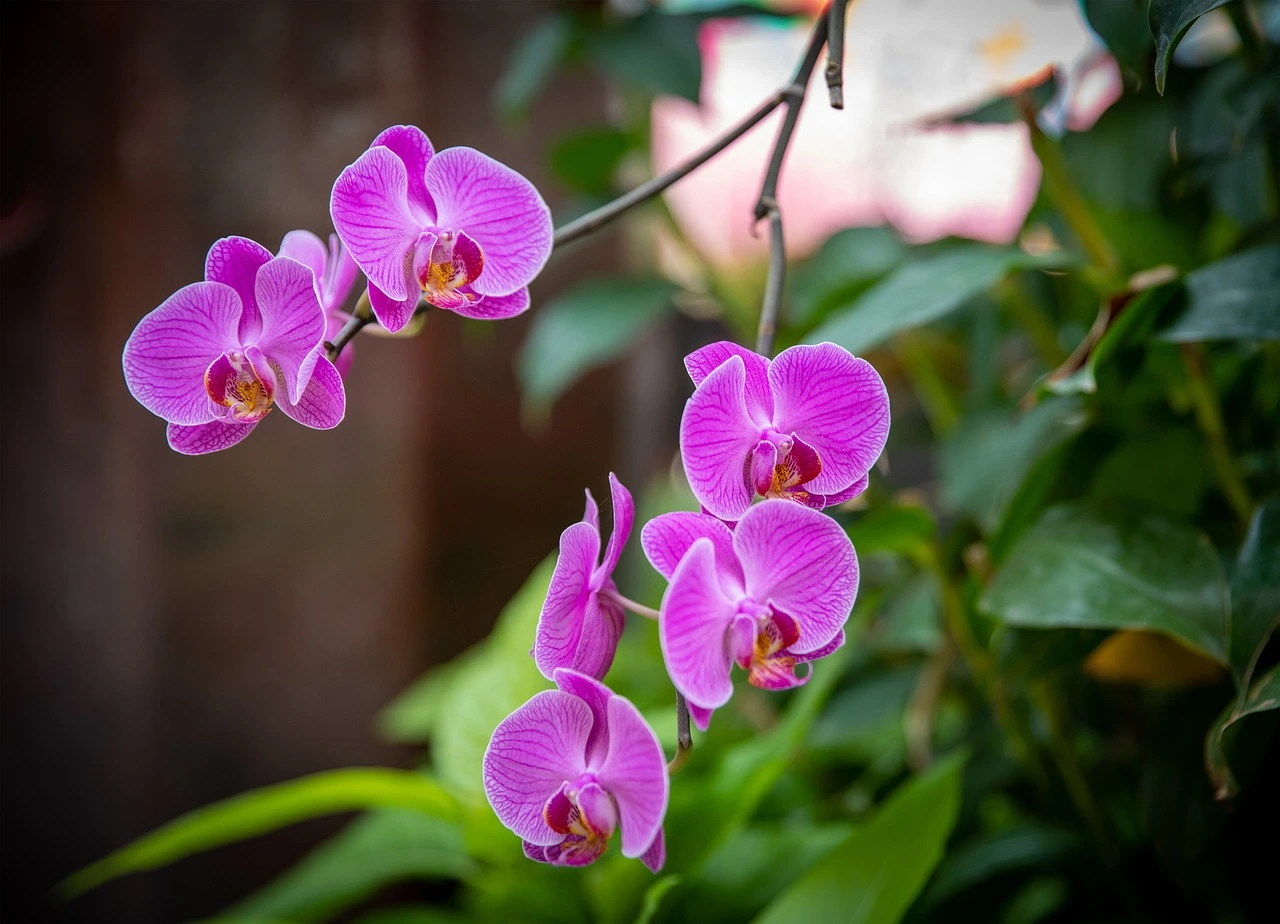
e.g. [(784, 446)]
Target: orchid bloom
[(806, 426), (771, 593), (581, 621), (217, 355), (334, 273), (458, 229), (570, 766)]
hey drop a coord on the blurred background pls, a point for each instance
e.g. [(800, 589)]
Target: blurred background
[(1003, 182)]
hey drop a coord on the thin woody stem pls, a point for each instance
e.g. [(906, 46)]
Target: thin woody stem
[(773, 285), (684, 740), (361, 317), (835, 52)]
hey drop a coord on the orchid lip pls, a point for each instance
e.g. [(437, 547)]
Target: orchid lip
[(236, 382)]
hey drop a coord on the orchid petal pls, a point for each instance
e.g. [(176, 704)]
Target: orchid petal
[(655, 857), (592, 512), (667, 538), (801, 562), (836, 403), (716, 433), (560, 624), (370, 210), (829, 648), (601, 627), (410, 144), (292, 322), (324, 401), (701, 363), (207, 437), (496, 307), (310, 251), (624, 515), (700, 714), (849, 493), (168, 352), (635, 773), (340, 275), (694, 618), (596, 695), (235, 261), (497, 207), (764, 458), (597, 810), (391, 314), (532, 753)]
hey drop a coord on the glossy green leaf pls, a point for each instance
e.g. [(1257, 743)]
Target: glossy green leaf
[(1255, 591), (261, 810), (1122, 25), (896, 529), (1081, 568), (1262, 696), (1235, 298), (1169, 21), (372, 852), (533, 62), (586, 327), (654, 52), (846, 265), (922, 291), (875, 875), (1022, 847), (411, 717), (586, 161), (1163, 470)]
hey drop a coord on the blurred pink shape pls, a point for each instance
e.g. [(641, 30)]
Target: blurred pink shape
[(874, 162)]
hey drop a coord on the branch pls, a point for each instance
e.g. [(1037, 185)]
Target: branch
[(773, 285), (684, 740), (361, 317), (835, 52)]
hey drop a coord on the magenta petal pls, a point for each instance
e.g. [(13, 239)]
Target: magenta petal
[(324, 401), (207, 437), (596, 695), (656, 856), (340, 275), (370, 210), (666, 538), (849, 493), (624, 515), (235, 261), (830, 647), (292, 322), (497, 207), (532, 753), (168, 352), (716, 433), (602, 625), (496, 307), (836, 403), (597, 810), (763, 460), (801, 562), (635, 773), (695, 616), (391, 314), (535, 852), (701, 363), (592, 512), (308, 250), (701, 715), (410, 144), (555, 641)]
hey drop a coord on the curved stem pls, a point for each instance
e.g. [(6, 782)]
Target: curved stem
[(835, 52), (1209, 417), (684, 740), (627, 603), (360, 318)]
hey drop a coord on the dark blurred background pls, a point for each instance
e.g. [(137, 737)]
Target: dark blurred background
[(176, 630)]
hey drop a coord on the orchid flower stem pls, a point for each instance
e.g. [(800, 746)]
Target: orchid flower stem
[(627, 603), (684, 740), (1209, 416), (773, 285), (835, 52), (360, 318)]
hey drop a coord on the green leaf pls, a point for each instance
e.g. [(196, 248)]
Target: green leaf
[(373, 851), (654, 52), (533, 62), (1235, 298), (921, 291), (864, 721), (1255, 591), (411, 717), (586, 327), (873, 877), (989, 855), (896, 529), (1123, 27), (587, 160), (1169, 21), (1079, 568), (1263, 696), (261, 810), (653, 897), (848, 262), (1163, 470)]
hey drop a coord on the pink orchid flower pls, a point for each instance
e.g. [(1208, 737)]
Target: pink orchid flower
[(570, 766), (217, 355), (335, 272), (772, 593), (806, 426), (581, 620), (457, 228)]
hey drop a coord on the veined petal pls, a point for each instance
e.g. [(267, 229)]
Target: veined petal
[(324, 401), (497, 207), (656, 856), (592, 512), (370, 210), (496, 307), (849, 493), (701, 363), (392, 314), (340, 274), (555, 641), (764, 458), (836, 403), (635, 773), (292, 322), (668, 537), (624, 514), (602, 625), (168, 352), (596, 695), (207, 437), (597, 810), (801, 562), (309, 250), (700, 714), (829, 648), (235, 261), (410, 144), (716, 433), (694, 618), (532, 753)]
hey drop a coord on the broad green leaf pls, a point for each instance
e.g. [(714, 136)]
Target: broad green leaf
[(1080, 568), (923, 290), (875, 875), (864, 721), (411, 717), (586, 161), (533, 62), (911, 622), (261, 810), (654, 52), (1120, 162), (896, 529), (848, 262), (1255, 591), (1169, 21), (1235, 298), (1263, 696), (372, 852), (1164, 470), (586, 327), (653, 897), (1122, 25), (986, 856)]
